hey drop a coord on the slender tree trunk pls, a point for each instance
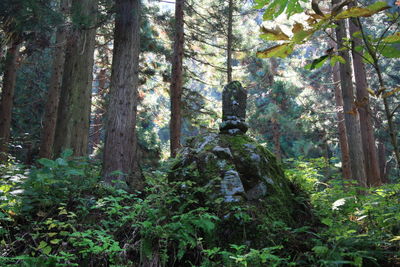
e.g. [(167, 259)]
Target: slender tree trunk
[(120, 143), (351, 116), (382, 162), (367, 130), (388, 113), (389, 117), (98, 113), (229, 45), (276, 139), (344, 147), (7, 95), (53, 97), (73, 118), (177, 79)]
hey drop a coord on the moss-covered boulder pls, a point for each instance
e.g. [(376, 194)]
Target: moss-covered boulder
[(242, 183)]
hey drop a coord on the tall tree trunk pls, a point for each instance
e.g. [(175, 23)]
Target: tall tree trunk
[(344, 147), (276, 136), (177, 79), (72, 129), (382, 162), (351, 116), (120, 143), (98, 112), (229, 44), (367, 130), (7, 95), (53, 98), (389, 114)]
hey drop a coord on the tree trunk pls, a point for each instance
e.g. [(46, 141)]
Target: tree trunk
[(382, 162), (53, 97), (344, 147), (351, 116), (120, 143), (367, 130), (276, 139), (98, 113), (72, 129), (177, 79), (229, 44), (7, 95)]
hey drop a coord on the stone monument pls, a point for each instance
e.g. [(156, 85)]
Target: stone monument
[(234, 101), (230, 173)]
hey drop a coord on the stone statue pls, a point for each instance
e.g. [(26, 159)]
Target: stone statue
[(234, 100)]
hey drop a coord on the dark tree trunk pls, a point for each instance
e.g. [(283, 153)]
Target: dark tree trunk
[(7, 95), (229, 44), (344, 147), (120, 143), (367, 130), (53, 98), (177, 79), (351, 115), (72, 129)]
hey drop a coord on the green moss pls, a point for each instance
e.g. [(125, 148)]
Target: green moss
[(255, 164)]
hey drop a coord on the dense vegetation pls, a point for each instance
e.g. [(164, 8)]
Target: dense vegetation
[(114, 150)]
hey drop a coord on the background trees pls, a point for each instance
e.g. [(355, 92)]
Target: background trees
[(291, 108)]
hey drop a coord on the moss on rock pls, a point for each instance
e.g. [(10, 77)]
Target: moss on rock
[(243, 184)]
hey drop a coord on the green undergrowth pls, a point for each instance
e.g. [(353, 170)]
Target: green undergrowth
[(60, 214)]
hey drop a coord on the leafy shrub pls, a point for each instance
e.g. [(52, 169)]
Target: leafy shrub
[(65, 217)]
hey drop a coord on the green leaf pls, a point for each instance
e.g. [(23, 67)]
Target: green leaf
[(356, 12), (390, 51), (261, 3), (327, 221), (61, 162), (317, 63), (274, 9), (47, 163), (320, 250), (55, 241), (46, 250), (66, 153), (282, 51), (293, 7), (368, 58), (359, 48), (337, 58), (392, 38), (42, 244)]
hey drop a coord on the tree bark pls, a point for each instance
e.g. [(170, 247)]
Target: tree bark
[(229, 44), (177, 79), (53, 97), (382, 162), (367, 130), (277, 140), (120, 143), (7, 95), (344, 147), (98, 113), (351, 115), (73, 117)]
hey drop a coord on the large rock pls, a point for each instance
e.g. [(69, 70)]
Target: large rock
[(239, 180), (238, 174)]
